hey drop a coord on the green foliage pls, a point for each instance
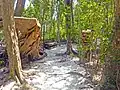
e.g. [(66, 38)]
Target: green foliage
[(45, 12), (96, 15)]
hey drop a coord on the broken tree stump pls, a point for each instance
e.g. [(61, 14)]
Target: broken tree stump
[(29, 35), (86, 35)]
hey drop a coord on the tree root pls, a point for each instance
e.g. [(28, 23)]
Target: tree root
[(42, 55), (73, 51)]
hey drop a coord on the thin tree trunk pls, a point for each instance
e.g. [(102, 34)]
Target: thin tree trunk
[(72, 18), (11, 40), (14, 2), (43, 27), (58, 23), (51, 17), (19, 7), (68, 25)]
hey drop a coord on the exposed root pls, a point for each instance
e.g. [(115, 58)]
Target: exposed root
[(50, 45), (72, 51)]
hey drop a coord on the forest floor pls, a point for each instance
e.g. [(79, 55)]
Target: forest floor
[(57, 72)]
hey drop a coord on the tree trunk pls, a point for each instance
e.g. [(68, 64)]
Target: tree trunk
[(68, 25), (29, 36), (112, 75), (43, 27), (58, 23), (14, 2), (11, 40), (19, 7), (72, 20), (116, 46), (117, 25)]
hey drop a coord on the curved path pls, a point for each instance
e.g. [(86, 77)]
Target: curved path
[(56, 72), (60, 73)]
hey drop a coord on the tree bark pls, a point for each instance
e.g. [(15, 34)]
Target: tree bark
[(29, 36), (72, 19), (11, 41), (68, 25), (19, 7), (116, 45), (112, 65), (58, 23), (117, 25)]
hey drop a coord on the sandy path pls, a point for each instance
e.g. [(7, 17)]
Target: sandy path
[(56, 73), (60, 73)]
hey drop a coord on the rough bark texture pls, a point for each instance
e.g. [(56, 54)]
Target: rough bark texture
[(19, 7), (11, 41)]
